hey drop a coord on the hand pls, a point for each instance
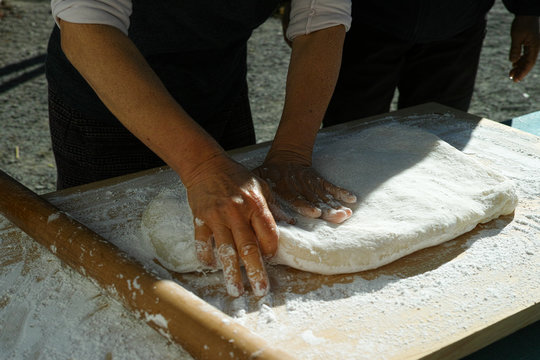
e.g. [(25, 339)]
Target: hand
[(525, 46), (231, 211), (307, 191)]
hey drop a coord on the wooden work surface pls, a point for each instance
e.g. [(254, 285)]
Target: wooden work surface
[(442, 302)]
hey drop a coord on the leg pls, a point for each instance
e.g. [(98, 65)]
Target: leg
[(369, 74), (442, 71)]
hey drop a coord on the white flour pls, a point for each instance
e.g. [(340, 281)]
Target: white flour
[(414, 191), (50, 312)]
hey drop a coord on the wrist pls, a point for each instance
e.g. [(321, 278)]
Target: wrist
[(289, 155), (202, 167)]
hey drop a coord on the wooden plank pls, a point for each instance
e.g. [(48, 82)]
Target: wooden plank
[(477, 305), (165, 305)]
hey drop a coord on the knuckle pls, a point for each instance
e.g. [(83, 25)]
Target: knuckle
[(249, 250), (198, 222), (201, 246), (226, 251)]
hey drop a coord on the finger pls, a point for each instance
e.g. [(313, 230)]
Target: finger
[(340, 193), (265, 228), (327, 198), (248, 250), (331, 209), (280, 215), (299, 204), (515, 50), (512, 75), (527, 61), (520, 70), (263, 222), (333, 215), (229, 262), (304, 207), (275, 210), (204, 243), (310, 187)]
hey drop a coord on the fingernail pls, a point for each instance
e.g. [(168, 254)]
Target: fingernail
[(260, 289), (337, 216), (227, 256), (310, 212), (233, 289), (259, 282), (201, 246)]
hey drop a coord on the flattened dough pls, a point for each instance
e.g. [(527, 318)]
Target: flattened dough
[(414, 191)]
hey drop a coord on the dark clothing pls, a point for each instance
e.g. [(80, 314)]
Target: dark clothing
[(428, 49), (422, 21), (523, 7), (88, 149), (198, 50), (375, 63)]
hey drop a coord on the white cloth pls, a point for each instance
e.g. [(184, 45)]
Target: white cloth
[(307, 16), (107, 12)]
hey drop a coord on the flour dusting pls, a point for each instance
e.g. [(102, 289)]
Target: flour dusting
[(423, 301)]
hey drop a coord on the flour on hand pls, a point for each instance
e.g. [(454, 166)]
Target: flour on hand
[(413, 189)]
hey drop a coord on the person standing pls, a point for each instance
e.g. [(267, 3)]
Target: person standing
[(428, 50)]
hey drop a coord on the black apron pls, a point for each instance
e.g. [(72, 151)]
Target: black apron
[(197, 48)]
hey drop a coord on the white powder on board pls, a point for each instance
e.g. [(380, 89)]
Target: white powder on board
[(311, 339), (52, 312), (53, 217)]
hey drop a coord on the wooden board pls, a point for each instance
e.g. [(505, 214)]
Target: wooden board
[(441, 302)]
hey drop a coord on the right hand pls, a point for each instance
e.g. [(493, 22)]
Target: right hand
[(525, 46), (306, 190), (231, 211)]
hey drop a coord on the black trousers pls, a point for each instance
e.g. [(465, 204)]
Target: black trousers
[(376, 63), (88, 149)]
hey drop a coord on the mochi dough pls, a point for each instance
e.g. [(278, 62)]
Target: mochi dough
[(413, 189)]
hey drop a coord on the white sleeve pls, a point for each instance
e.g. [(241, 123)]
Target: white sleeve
[(308, 16), (108, 12)]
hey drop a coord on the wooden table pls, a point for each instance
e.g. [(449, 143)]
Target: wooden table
[(442, 302)]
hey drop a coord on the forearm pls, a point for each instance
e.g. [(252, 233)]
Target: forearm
[(126, 84), (313, 72)]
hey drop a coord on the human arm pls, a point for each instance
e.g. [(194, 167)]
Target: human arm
[(313, 72), (231, 203)]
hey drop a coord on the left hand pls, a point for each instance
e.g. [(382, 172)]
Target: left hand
[(232, 211), (307, 191), (525, 36)]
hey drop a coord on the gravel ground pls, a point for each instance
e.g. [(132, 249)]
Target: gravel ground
[(25, 149)]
